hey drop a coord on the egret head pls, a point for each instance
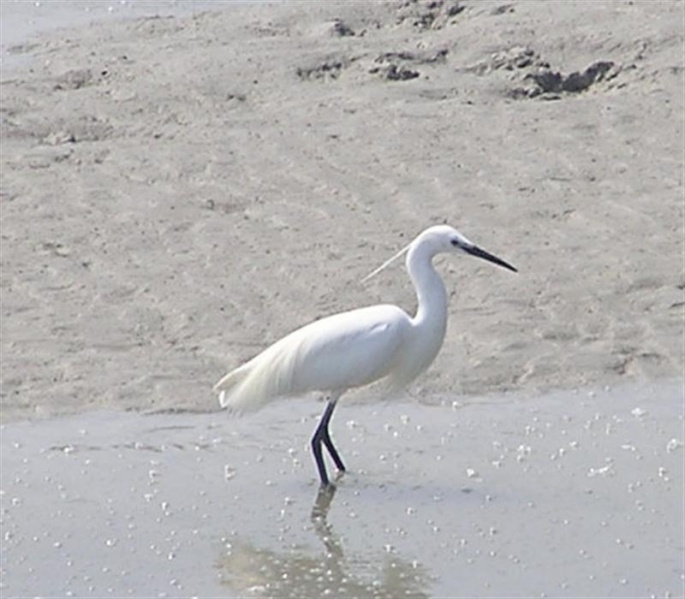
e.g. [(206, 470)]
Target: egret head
[(459, 243), (443, 239)]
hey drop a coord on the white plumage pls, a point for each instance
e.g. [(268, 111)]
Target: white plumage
[(329, 355), (355, 348)]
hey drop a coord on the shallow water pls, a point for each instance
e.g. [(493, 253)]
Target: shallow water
[(570, 494), (22, 20)]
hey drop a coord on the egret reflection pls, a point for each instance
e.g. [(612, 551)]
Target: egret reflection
[(297, 573)]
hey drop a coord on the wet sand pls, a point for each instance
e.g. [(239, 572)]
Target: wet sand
[(180, 191), (564, 495)]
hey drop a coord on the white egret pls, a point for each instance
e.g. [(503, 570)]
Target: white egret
[(355, 348)]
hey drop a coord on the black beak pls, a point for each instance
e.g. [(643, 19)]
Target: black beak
[(474, 250)]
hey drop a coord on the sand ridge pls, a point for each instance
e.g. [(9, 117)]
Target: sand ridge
[(179, 192)]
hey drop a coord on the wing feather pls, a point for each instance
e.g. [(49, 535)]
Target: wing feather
[(347, 350)]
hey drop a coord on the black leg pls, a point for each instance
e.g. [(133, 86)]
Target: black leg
[(322, 436), (316, 448), (328, 442)]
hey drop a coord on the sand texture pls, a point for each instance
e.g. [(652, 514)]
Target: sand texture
[(177, 193)]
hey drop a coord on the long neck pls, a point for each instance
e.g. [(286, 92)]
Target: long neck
[(431, 313)]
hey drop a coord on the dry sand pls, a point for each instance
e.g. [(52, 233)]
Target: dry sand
[(179, 192)]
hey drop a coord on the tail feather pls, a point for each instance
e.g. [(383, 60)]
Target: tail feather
[(229, 383), (264, 378)]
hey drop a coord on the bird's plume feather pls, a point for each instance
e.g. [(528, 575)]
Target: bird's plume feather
[(386, 263)]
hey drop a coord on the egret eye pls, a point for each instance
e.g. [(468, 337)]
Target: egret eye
[(455, 242)]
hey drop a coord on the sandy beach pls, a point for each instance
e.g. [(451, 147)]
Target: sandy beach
[(179, 190)]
